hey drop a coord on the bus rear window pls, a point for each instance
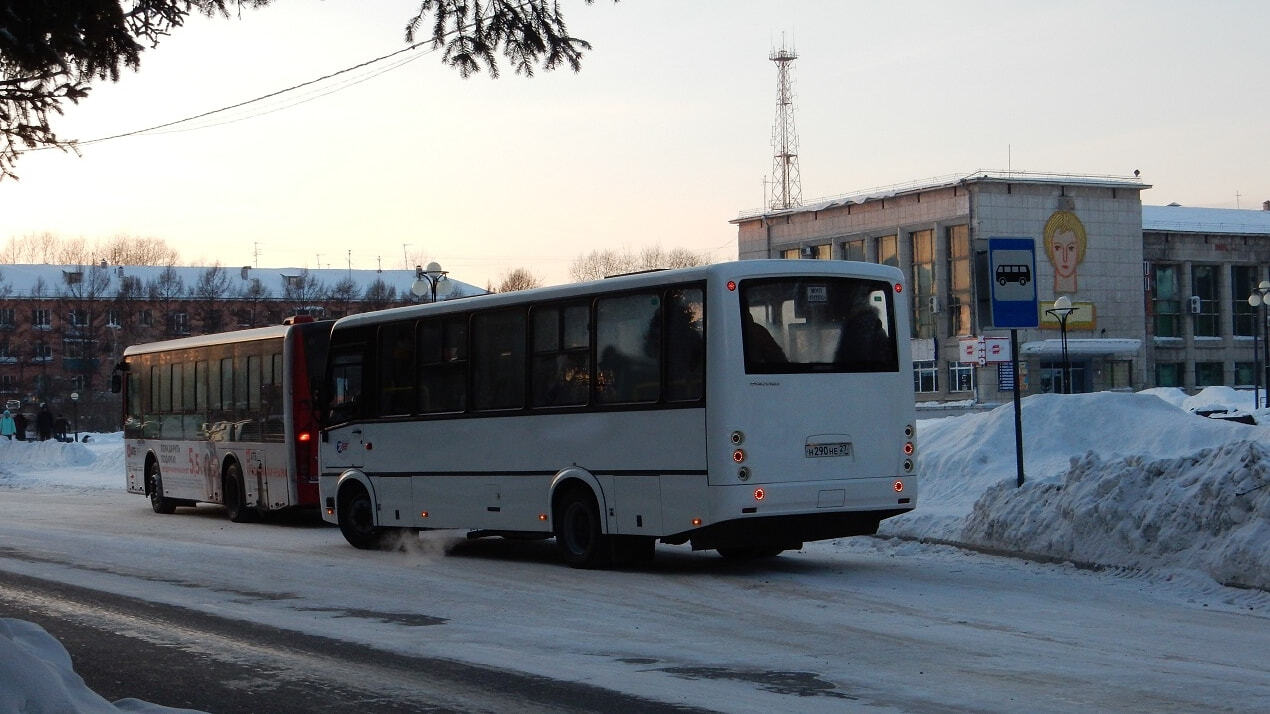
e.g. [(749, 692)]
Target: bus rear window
[(818, 324)]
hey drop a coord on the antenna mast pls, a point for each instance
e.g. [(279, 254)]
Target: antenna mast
[(787, 190)]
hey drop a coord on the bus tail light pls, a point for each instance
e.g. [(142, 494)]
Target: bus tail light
[(696, 522), (899, 487), (908, 448), (759, 494), (738, 455)]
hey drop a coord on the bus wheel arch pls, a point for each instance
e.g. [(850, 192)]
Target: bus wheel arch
[(355, 513), (233, 493), (154, 487), (578, 525)]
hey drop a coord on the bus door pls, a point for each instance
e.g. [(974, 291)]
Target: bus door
[(344, 443), (255, 483)]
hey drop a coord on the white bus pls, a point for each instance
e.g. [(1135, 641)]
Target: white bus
[(745, 407), (226, 418)]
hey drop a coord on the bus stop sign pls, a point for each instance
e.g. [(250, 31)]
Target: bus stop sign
[(1012, 265)]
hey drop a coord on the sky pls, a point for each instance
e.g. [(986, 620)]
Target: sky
[(660, 140), (1167, 504)]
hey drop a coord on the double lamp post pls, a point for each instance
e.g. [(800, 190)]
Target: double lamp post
[(1257, 299)]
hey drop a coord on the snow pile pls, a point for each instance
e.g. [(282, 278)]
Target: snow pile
[(36, 676), (1114, 479), (92, 464)]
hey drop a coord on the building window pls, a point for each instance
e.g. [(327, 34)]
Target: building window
[(926, 376), (8, 384), (6, 317), (43, 353), (77, 382), (41, 318), (1166, 305), (791, 254), (1119, 374), (853, 250), (1054, 377), (1246, 374), (888, 251), (923, 284), (822, 252), (1243, 278), (1204, 287), (6, 356), (77, 318), (1208, 374), (1168, 374), (180, 323), (959, 280), (112, 318), (961, 376)]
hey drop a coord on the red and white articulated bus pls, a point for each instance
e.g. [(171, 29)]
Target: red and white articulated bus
[(226, 418)]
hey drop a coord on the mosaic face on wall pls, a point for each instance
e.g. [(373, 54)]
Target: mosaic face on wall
[(1065, 247)]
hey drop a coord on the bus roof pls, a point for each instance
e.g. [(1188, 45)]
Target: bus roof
[(219, 338), (718, 271)]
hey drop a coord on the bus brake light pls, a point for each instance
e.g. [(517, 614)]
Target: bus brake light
[(303, 436), (899, 487), (731, 286), (899, 287), (759, 494)]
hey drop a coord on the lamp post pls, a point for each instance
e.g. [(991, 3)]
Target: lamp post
[(427, 279), (1258, 299), (75, 413), (1061, 311)]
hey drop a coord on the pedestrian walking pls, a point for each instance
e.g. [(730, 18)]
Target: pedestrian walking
[(44, 422), (19, 421), (7, 427)]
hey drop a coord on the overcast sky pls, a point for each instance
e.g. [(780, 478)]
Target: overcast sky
[(663, 137)]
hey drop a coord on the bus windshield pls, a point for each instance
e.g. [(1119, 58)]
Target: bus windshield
[(818, 324)]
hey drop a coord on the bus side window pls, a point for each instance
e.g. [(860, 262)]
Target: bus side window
[(685, 345), (443, 365), (498, 360), (396, 369), (345, 385), (628, 345), (561, 355)]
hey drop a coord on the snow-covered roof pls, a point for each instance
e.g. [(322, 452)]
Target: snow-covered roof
[(928, 184), (23, 279), (1184, 219)]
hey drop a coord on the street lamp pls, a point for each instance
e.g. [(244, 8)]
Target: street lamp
[(1062, 310), (1258, 299), (428, 279), (75, 414)]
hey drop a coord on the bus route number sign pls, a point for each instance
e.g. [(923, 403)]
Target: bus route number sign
[(839, 448)]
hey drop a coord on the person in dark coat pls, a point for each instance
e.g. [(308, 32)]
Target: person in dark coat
[(44, 423), (60, 425), (19, 420)]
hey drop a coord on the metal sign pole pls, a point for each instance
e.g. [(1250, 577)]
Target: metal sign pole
[(1018, 406)]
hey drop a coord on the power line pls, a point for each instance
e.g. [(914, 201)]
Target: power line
[(271, 95)]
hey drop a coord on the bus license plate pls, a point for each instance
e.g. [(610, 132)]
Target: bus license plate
[(841, 448)]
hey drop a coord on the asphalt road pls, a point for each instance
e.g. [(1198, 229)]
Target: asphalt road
[(125, 647)]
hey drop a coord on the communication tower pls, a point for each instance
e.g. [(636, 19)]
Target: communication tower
[(787, 190)]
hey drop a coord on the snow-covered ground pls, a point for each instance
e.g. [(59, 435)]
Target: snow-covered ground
[(1114, 480)]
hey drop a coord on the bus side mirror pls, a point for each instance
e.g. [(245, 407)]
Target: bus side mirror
[(116, 383)]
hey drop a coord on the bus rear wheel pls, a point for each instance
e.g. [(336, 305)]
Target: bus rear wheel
[(154, 484), (357, 519), (234, 493), (578, 533)]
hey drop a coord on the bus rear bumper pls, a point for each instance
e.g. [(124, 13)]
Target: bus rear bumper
[(788, 532)]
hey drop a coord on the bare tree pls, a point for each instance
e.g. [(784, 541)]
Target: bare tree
[(81, 300), (601, 263), (517, 279), (254, 294), (379, 295), (303, 291), (134, 250), (208, 293), (342, 296), (166, 291)]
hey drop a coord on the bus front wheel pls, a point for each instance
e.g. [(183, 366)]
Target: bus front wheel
[(154, 484), (235, 495), (578, 533), (357, 519)]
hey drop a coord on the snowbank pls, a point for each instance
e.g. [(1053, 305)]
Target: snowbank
[(1113, 479), (36, 676)]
